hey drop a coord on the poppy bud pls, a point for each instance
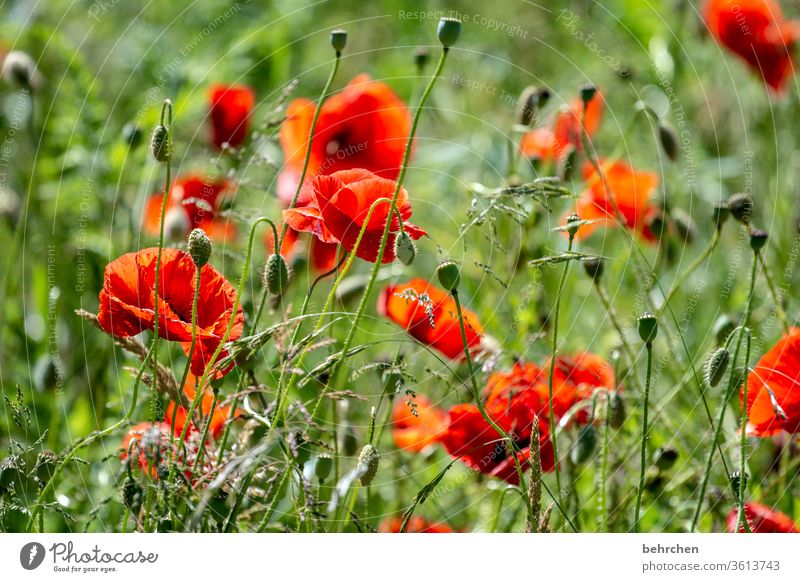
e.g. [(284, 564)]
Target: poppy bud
[(404, 248), (276, 274), (176, 223), (448, 31), (572, 225), (668, 139), (338, 40), (594, 268), (132, 135), (758, 238), (45, 466), (159, 143), (132, 494), (323, 466), (665, 458), (584, 446), (199, 246), (685, 227), (648, 328), (421, 57), (368, 462), (542, 97), (741, 207), (19, 69), (567, 162), (721, 213), (527, 104), (736, 480), (587, 92), (449, 275), (716, 364), (616, 411)]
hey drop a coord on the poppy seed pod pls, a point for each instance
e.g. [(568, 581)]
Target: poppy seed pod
[(758, 238), (338, 40), (159, 143), (368, 461), (587, 92), (584, 446), (572, 225), (721, 214), (648, 328), (741, 207), (404, 248), (716, 364), (594, 268), (448, 31), (668, 139), (199, 247), (323, 466), (527, 104), (449, 275), (276, 274), (616, 410)]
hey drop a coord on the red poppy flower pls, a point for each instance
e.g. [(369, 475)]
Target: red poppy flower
[(339, 206), (152, 444), (773, 389), (322, 255), (229, 108), (364, 126), (127, 302), (416, 524), (218, 417), (193, 203), (416, 427), (762, 519), (756, 31), (429, 315), (548, 145), (630, 188)]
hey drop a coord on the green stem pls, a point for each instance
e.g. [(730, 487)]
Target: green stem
[(742, 520), (774, 292), (604, 468), (645, 435)]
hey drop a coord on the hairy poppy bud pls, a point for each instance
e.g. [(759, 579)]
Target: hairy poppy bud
[(132, 135), (159, 143), (758, 238), (199, 246), (716, 364), (648, 328), (584, 446), (176, 223), (368, 461), (668, 139), (616, 410), (449, 275), (276, 274), (527, 105), (338, 40), (132, 494), (736, 480), (19, 69), (665, 458), (45, 466), (572, 225), (421, 57), (721, 214), (404, 248), (685, 226), (323, 466), (587, 92), (594, 268), (448, 31), (741, 207), (567, 162)]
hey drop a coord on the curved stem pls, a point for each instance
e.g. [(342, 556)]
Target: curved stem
[(741, 519), (645, 435), (774, 292)]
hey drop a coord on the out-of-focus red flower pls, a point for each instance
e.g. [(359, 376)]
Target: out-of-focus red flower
[(756, 31), (194, 202), (416, 524), (414, 432), (229, 108), (338, 208), (762, 519), (630, 188), (773, 389), (127, 302), (364, 126), (322, 255), (429, 315), (152, 444), (218, 417), (548, 145)]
